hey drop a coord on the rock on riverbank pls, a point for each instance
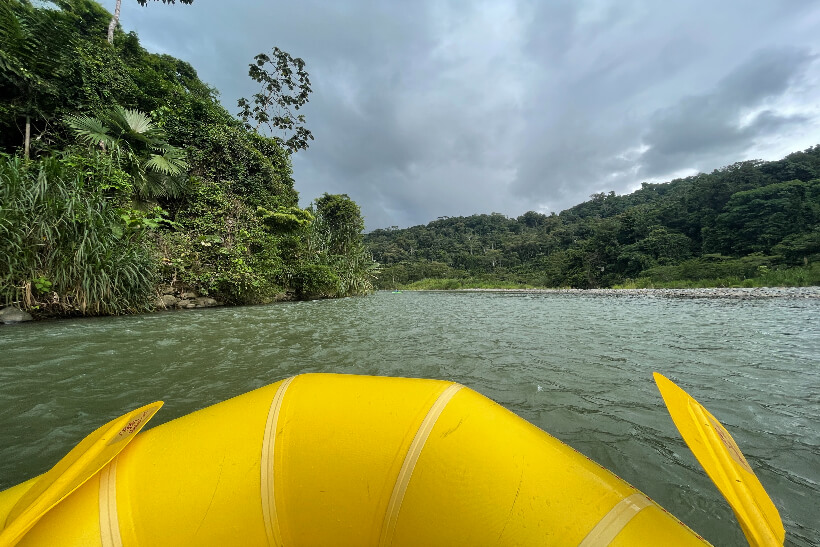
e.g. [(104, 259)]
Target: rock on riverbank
[(182, 299), (11, 314)]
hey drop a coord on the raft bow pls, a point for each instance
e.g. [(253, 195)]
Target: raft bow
[(330, 459)]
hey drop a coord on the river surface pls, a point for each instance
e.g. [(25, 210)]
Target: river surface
[(578, 366)]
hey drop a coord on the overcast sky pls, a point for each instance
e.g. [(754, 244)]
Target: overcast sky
[(445, 108)]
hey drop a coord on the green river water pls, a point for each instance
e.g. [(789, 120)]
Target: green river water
[(578, 366)]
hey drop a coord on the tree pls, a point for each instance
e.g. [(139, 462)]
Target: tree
[(285, 89), (334, 239), (141, 150), (35, 53), (756, 220), (531, 219), (342, 219), (115, 19)]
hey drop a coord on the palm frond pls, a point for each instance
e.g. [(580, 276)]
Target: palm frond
[(90, 130), (169, 163), (158, 185), (132, 121)]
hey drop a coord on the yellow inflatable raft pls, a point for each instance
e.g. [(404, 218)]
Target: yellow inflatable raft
[(326, 459)]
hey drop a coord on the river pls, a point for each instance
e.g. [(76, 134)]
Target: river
[(578, 366)]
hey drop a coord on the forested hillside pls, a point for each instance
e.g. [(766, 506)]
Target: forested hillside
[(123, 179), (753, 219)]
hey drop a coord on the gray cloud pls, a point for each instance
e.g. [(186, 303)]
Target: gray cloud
[(453, 108), (710, 126)]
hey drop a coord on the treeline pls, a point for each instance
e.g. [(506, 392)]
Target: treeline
[(748, 220), (122, 177)]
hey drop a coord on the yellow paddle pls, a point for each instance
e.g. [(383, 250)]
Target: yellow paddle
[(720, 456), (76, 467)]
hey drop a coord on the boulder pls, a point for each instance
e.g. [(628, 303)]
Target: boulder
[(14, 315), (166, 301)]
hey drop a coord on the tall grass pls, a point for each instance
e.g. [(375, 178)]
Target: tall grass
[(63, 246)]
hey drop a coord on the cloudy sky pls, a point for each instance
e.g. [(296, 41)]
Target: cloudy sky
[(445, 108)]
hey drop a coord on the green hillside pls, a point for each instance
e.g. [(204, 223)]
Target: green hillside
[(751, 223), (123, 179)]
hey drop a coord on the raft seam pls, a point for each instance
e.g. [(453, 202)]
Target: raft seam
[(272, 530), (615, 520), (391, 516), (109, 518)]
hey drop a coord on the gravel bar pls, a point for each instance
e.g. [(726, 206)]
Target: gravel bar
[(719, 292)]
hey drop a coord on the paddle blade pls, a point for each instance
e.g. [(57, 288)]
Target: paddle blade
[(83, 462), (723, 461)]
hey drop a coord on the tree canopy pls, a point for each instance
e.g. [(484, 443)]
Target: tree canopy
[(728, 223)]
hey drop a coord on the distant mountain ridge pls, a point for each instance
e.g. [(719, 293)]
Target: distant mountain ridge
[(736, 222)]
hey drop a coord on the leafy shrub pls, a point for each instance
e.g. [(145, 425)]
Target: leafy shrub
[(315, 280)]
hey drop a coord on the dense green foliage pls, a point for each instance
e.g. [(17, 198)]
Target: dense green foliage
[(65, 245), (748, 220), (336, 244), (139, 180)]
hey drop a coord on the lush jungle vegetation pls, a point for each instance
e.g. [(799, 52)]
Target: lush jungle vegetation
[(749, 224), (122, 177)]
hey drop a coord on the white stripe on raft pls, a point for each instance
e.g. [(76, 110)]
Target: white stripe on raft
[(406, 471), (615, 520), (109, 519), (268, 500)]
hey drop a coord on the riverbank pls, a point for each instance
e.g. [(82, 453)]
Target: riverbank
[(720, 292)]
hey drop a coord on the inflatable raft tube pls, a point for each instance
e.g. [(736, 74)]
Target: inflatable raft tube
[(327, 459)]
